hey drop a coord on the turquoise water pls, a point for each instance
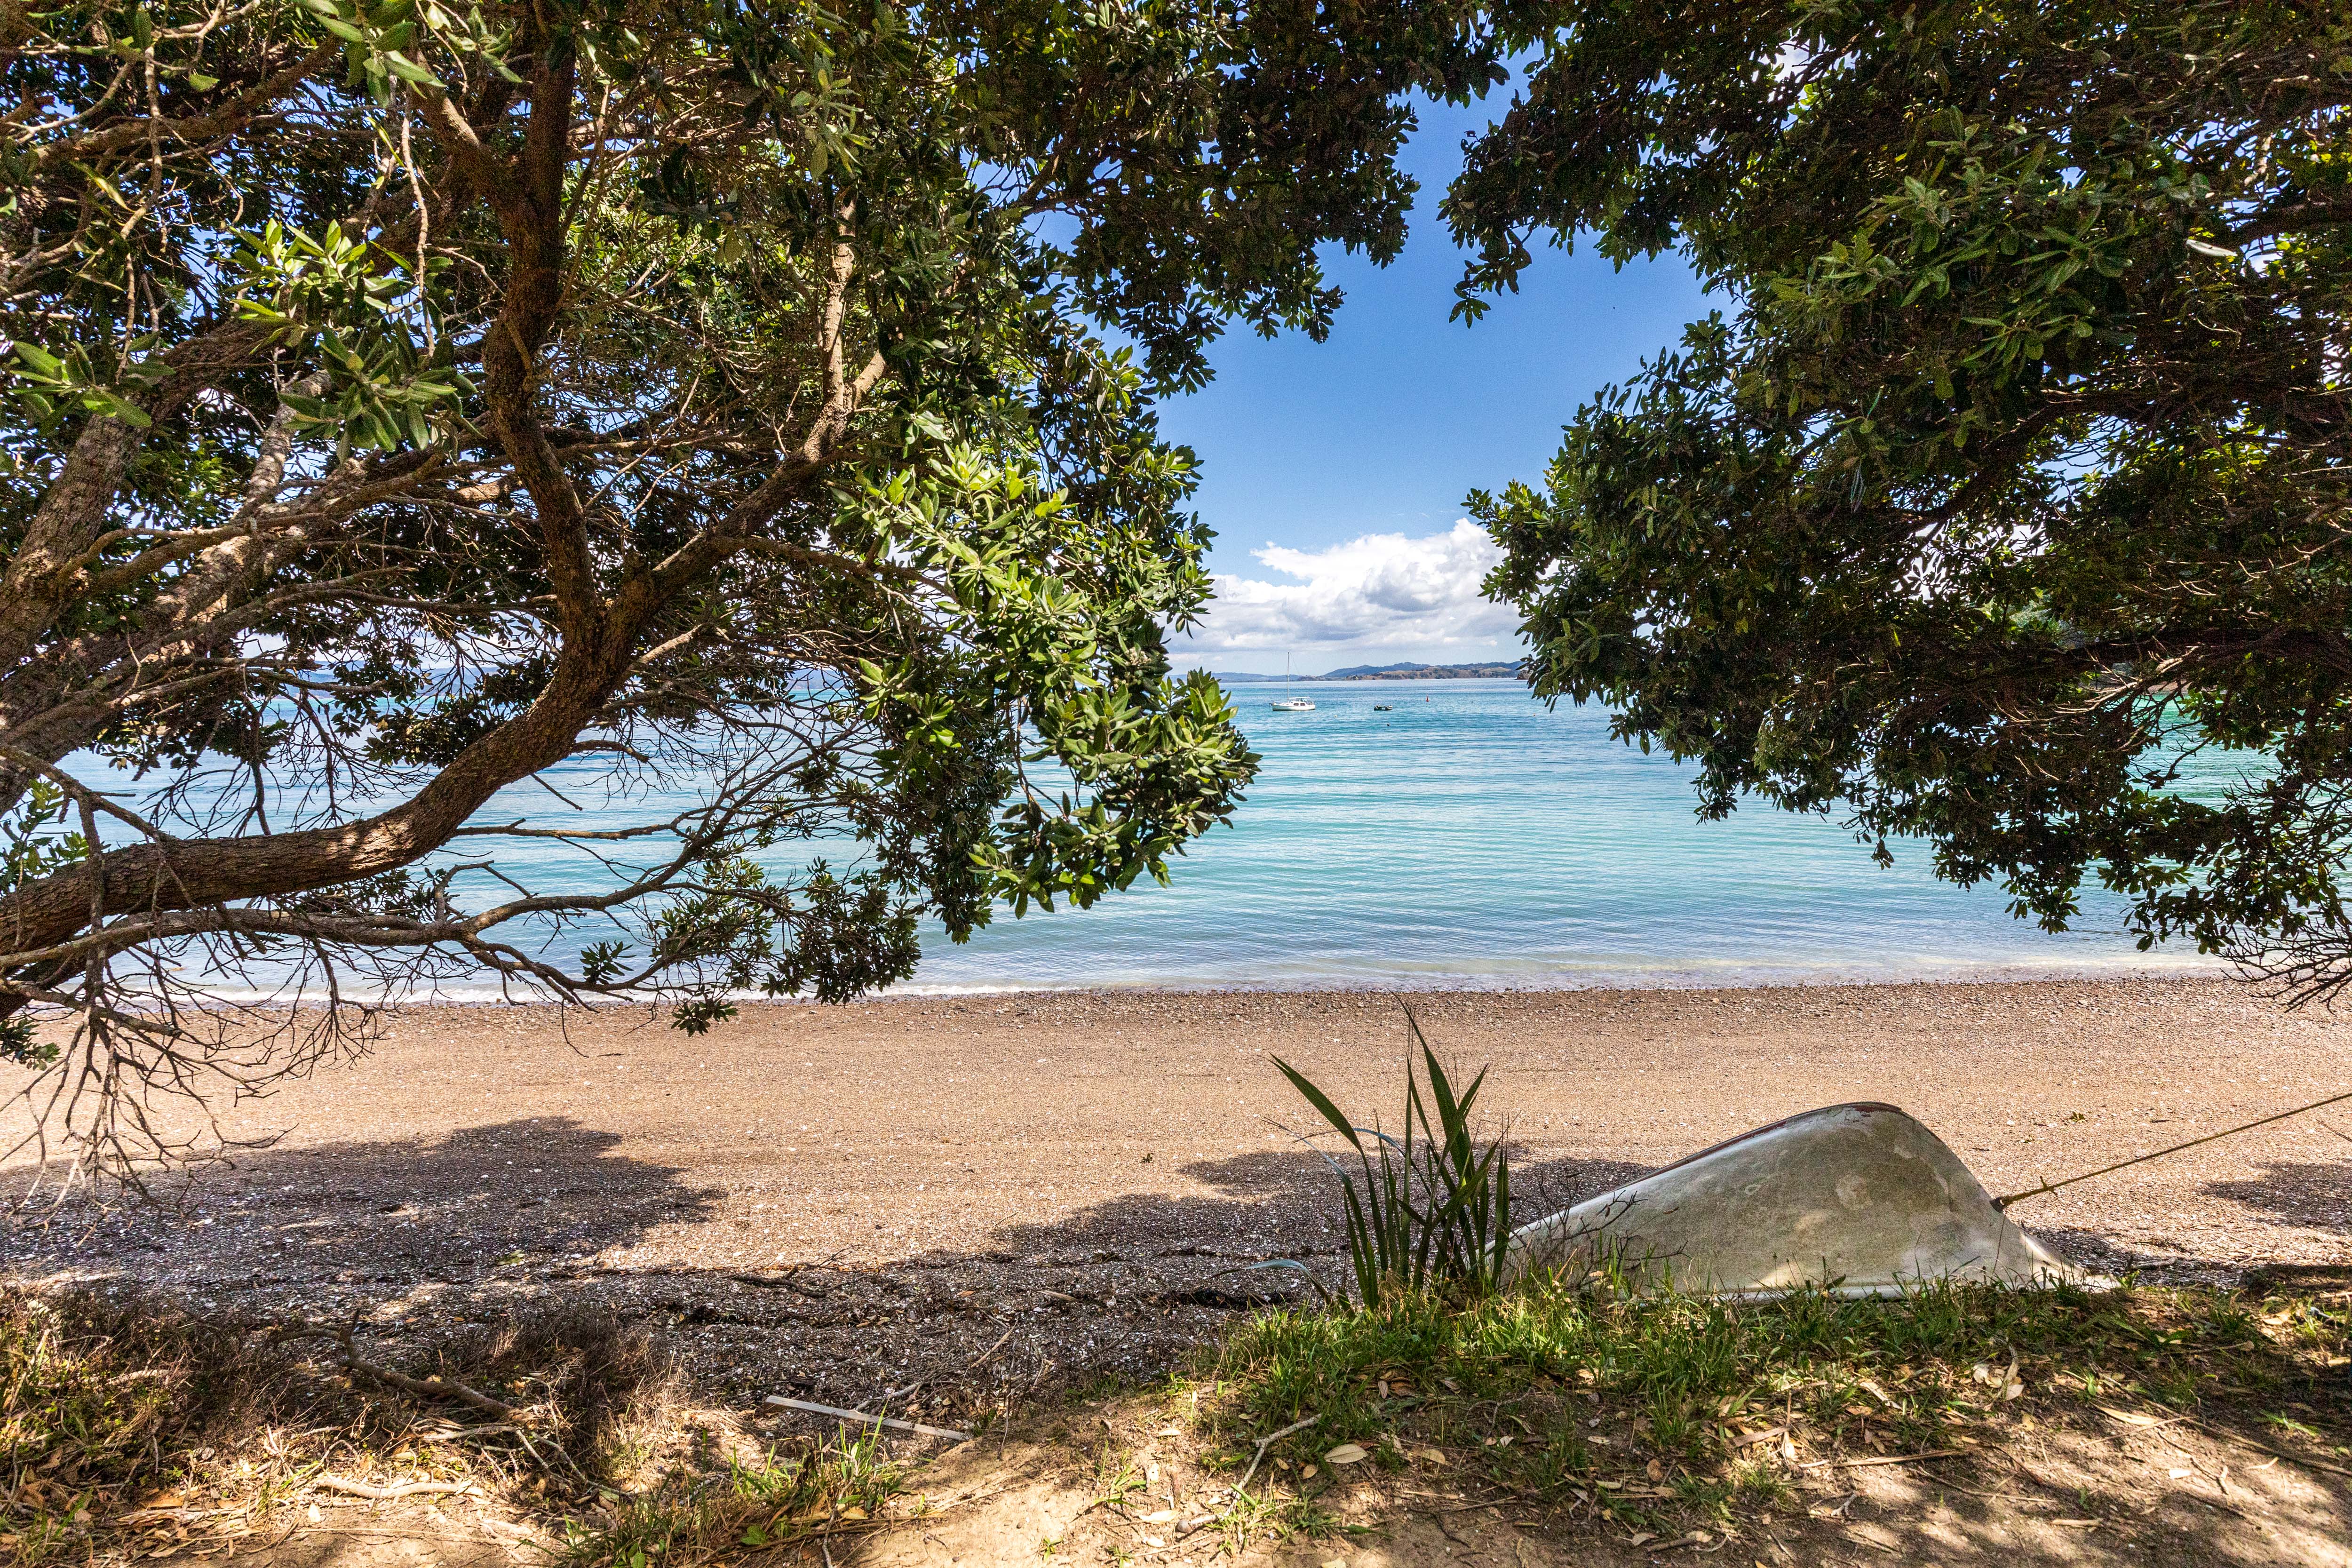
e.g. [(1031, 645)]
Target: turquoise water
[(1470, 837), (1474, 838)]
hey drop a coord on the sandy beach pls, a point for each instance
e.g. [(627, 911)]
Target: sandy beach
[(955, 1157)]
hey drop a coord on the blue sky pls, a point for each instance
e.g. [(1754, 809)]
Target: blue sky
[(1334, 472)]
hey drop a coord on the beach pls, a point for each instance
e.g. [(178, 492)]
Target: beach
[(1119, 1154)]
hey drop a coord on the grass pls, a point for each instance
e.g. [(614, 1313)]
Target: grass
[(128, 1428), (1641, 1409), (839, 1485), (106, 1405)]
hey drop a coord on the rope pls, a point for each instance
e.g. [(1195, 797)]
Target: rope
[(2160, 1154)]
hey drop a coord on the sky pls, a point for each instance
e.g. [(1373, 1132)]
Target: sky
[(1334, 473)]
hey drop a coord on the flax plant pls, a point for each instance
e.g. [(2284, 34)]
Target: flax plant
[(1433, 1212)]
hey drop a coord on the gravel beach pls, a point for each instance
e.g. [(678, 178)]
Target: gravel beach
[(839, 1200)]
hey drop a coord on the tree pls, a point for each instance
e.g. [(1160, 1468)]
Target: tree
[(2019, 472), (407, 397)]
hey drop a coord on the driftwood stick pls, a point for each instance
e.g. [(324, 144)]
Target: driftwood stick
[(422, 1387), (433, 1388), (982, 1358), (385, 1494), (864, 1419), (1267, 1442)]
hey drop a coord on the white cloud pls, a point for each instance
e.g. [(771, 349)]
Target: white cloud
[(1379, 592)]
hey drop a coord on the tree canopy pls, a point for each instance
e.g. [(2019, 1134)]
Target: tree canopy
[(404, 397), (2019, 469)]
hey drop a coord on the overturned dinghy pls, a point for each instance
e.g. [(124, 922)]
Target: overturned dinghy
[(1859, 1199)]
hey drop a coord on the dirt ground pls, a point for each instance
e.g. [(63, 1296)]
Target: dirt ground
[(2119, 1488), (962, 1205)]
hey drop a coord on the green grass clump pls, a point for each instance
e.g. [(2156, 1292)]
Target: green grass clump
[(1563, 1391)]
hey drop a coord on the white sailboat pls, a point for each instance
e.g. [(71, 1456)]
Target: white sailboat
[(1290, 704)]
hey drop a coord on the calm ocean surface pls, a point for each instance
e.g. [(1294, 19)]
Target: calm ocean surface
[(1474, 838), (1471, 837)]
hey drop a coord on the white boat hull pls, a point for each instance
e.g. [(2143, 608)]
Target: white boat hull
[(1859, 1200)]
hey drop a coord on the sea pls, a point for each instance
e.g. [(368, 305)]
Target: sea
[(1420, 835), (1461, 834)]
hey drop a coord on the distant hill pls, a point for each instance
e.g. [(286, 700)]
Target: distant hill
[(1503, 672), (1507, 671)]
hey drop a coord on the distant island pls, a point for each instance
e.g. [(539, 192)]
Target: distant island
[(1508, 670)]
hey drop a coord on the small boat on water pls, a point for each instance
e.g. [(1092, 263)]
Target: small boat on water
[(1382, 708), (1290, 704)]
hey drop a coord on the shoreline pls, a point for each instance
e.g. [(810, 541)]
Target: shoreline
[(2196, 971)]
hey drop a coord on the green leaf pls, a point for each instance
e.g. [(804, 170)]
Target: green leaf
[(409, 71)]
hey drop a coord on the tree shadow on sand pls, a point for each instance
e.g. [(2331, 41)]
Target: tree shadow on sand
[(2288, 1194), (1282, 1201), (2316, 1194), (397, 1213), (511, 1217)]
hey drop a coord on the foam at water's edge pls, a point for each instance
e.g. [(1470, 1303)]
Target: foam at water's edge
[(1730, 978)]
